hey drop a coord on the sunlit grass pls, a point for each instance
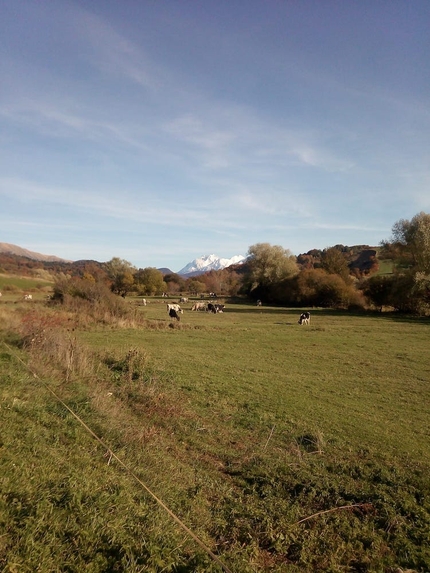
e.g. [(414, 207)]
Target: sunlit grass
[(244, 423)]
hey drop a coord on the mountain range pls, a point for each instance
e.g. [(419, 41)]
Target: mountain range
[(207, 263), (196, 267)]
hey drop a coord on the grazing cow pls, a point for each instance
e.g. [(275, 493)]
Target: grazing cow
[(259, 303), (198, 306), (28, 297), (305, 318), (215, 308), (213, 295), (183, 299), (144, 301), (174, 307), (174, 314)]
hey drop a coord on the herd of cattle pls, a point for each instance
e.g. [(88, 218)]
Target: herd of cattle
[(174, 310)]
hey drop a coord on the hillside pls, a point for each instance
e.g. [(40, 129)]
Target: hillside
[(10, 249)]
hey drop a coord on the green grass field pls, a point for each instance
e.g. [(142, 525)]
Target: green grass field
[(12, 287), (243, 423), (385, 267)]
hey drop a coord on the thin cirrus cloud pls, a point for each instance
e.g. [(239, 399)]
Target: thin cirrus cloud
[(215, 146), (251, 141), (112, 53), (132, 210), (116, 55)]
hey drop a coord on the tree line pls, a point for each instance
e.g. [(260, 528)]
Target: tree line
[(327, 279), (335, 277)]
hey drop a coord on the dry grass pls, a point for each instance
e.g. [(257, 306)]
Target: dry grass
[(9, 321)]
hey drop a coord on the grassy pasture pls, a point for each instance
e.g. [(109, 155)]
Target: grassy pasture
[(244, 423), (12, 287), (356, 379), (385, 267)]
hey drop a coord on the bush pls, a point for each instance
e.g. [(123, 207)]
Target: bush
[(315, 287), (378, 290), (10, 288), (94, 301), (410, 293)]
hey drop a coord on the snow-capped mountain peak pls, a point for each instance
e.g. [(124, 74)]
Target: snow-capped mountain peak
[(209, 263)]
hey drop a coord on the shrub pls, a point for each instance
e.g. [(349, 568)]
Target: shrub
[(94, 302), (411, 293), (378, 289), (10, 288), (315, 287)]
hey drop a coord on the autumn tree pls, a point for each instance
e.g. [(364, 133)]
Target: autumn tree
[(195, 286), (412, 240), (150, 281), (174, 283), (121, 274), (269, 265), (408, 288), (233, 283), (92, 270), (334, 262), (409, 246), (217, 281)]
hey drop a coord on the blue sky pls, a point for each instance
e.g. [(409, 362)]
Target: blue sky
[(161, 131)]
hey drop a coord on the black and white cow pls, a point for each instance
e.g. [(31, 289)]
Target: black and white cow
[(174, 307), (174, 314), (215, 308), (305, 318)]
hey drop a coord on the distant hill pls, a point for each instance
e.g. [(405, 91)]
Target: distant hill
[(361, 259), (8, 248), (166, 271)]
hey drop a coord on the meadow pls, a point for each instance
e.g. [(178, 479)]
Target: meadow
[(281, 447), (12, 287)]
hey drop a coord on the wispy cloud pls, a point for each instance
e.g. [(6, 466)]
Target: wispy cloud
[(135, 210), (112, 52), (210, 142)]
